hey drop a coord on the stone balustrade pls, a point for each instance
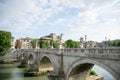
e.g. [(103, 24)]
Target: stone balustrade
[(79, 50), (110, 53)]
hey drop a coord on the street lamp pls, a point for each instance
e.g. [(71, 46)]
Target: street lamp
[(85, 41), (106, 42)]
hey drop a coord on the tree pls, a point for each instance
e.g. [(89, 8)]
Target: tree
[(114, 43), (43, 44), (33, 43), (77, 45), (55, 44), (5, 41), (71, 44)]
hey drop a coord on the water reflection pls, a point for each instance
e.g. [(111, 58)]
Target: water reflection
[(104, 73), (11, 72)]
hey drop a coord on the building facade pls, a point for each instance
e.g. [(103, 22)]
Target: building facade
[(23, 43), (12, 43), (49, 37)]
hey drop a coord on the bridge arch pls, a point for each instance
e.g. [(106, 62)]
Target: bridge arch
[(89, 62), (30, 58), (23, 55), (46, 63)]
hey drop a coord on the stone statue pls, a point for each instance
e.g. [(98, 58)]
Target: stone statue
[(60, 41), (61, 37)]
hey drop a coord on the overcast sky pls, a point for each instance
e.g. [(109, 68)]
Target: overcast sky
[(74, 18)]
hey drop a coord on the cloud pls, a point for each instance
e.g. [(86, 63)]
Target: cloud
[(94, 14), (109, 29), (98, 22), (74, 17)]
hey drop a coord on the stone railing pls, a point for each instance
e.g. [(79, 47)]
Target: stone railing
[(106, 53), (110, 53), (42, 50), (93, 50), (78, 50)]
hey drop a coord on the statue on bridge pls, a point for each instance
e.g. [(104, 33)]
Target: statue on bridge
[(60, 41)]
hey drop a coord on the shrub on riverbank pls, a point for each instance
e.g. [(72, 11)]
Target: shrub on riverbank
[(93, 73), (6, 62), (2, 61)]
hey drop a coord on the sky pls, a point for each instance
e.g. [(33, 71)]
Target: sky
[(74, 18)]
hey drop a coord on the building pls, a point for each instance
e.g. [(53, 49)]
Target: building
[(52, 36), (12, 43), (87, 44), (91, 44), (23, 43)]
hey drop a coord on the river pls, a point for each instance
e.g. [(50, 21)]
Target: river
[(11, 72)]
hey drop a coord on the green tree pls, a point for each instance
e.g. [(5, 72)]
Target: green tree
[(43, 44), (5, 41), (114, 43), (77, 45), (55, 44), (51, 42), (33, 43), (71, 44)]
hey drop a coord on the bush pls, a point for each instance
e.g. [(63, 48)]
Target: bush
[(2, 61), (93, 73)]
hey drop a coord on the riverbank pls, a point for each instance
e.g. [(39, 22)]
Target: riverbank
[(93, 77), (8, 61)]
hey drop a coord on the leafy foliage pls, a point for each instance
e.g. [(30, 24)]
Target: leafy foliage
[(55, 44), (71, 44), (33, 43), (43, 44), (5, 41), (92, 72), (114, 43), (47, 44)]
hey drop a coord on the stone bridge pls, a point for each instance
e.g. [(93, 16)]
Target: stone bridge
[(73, 63)]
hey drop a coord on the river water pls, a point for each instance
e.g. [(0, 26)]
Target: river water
[(11, 72)]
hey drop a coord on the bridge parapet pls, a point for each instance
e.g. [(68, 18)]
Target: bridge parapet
[(93, 50), (105, 53), (79, 50), (108, 53), (43, 50)]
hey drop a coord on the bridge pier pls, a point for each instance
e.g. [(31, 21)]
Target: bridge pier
[(55, 76), (33, 68), (60, 75), (23, 63)]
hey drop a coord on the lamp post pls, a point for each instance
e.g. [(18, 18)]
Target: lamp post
[(85, 41), (60, 41), (106, 42)]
